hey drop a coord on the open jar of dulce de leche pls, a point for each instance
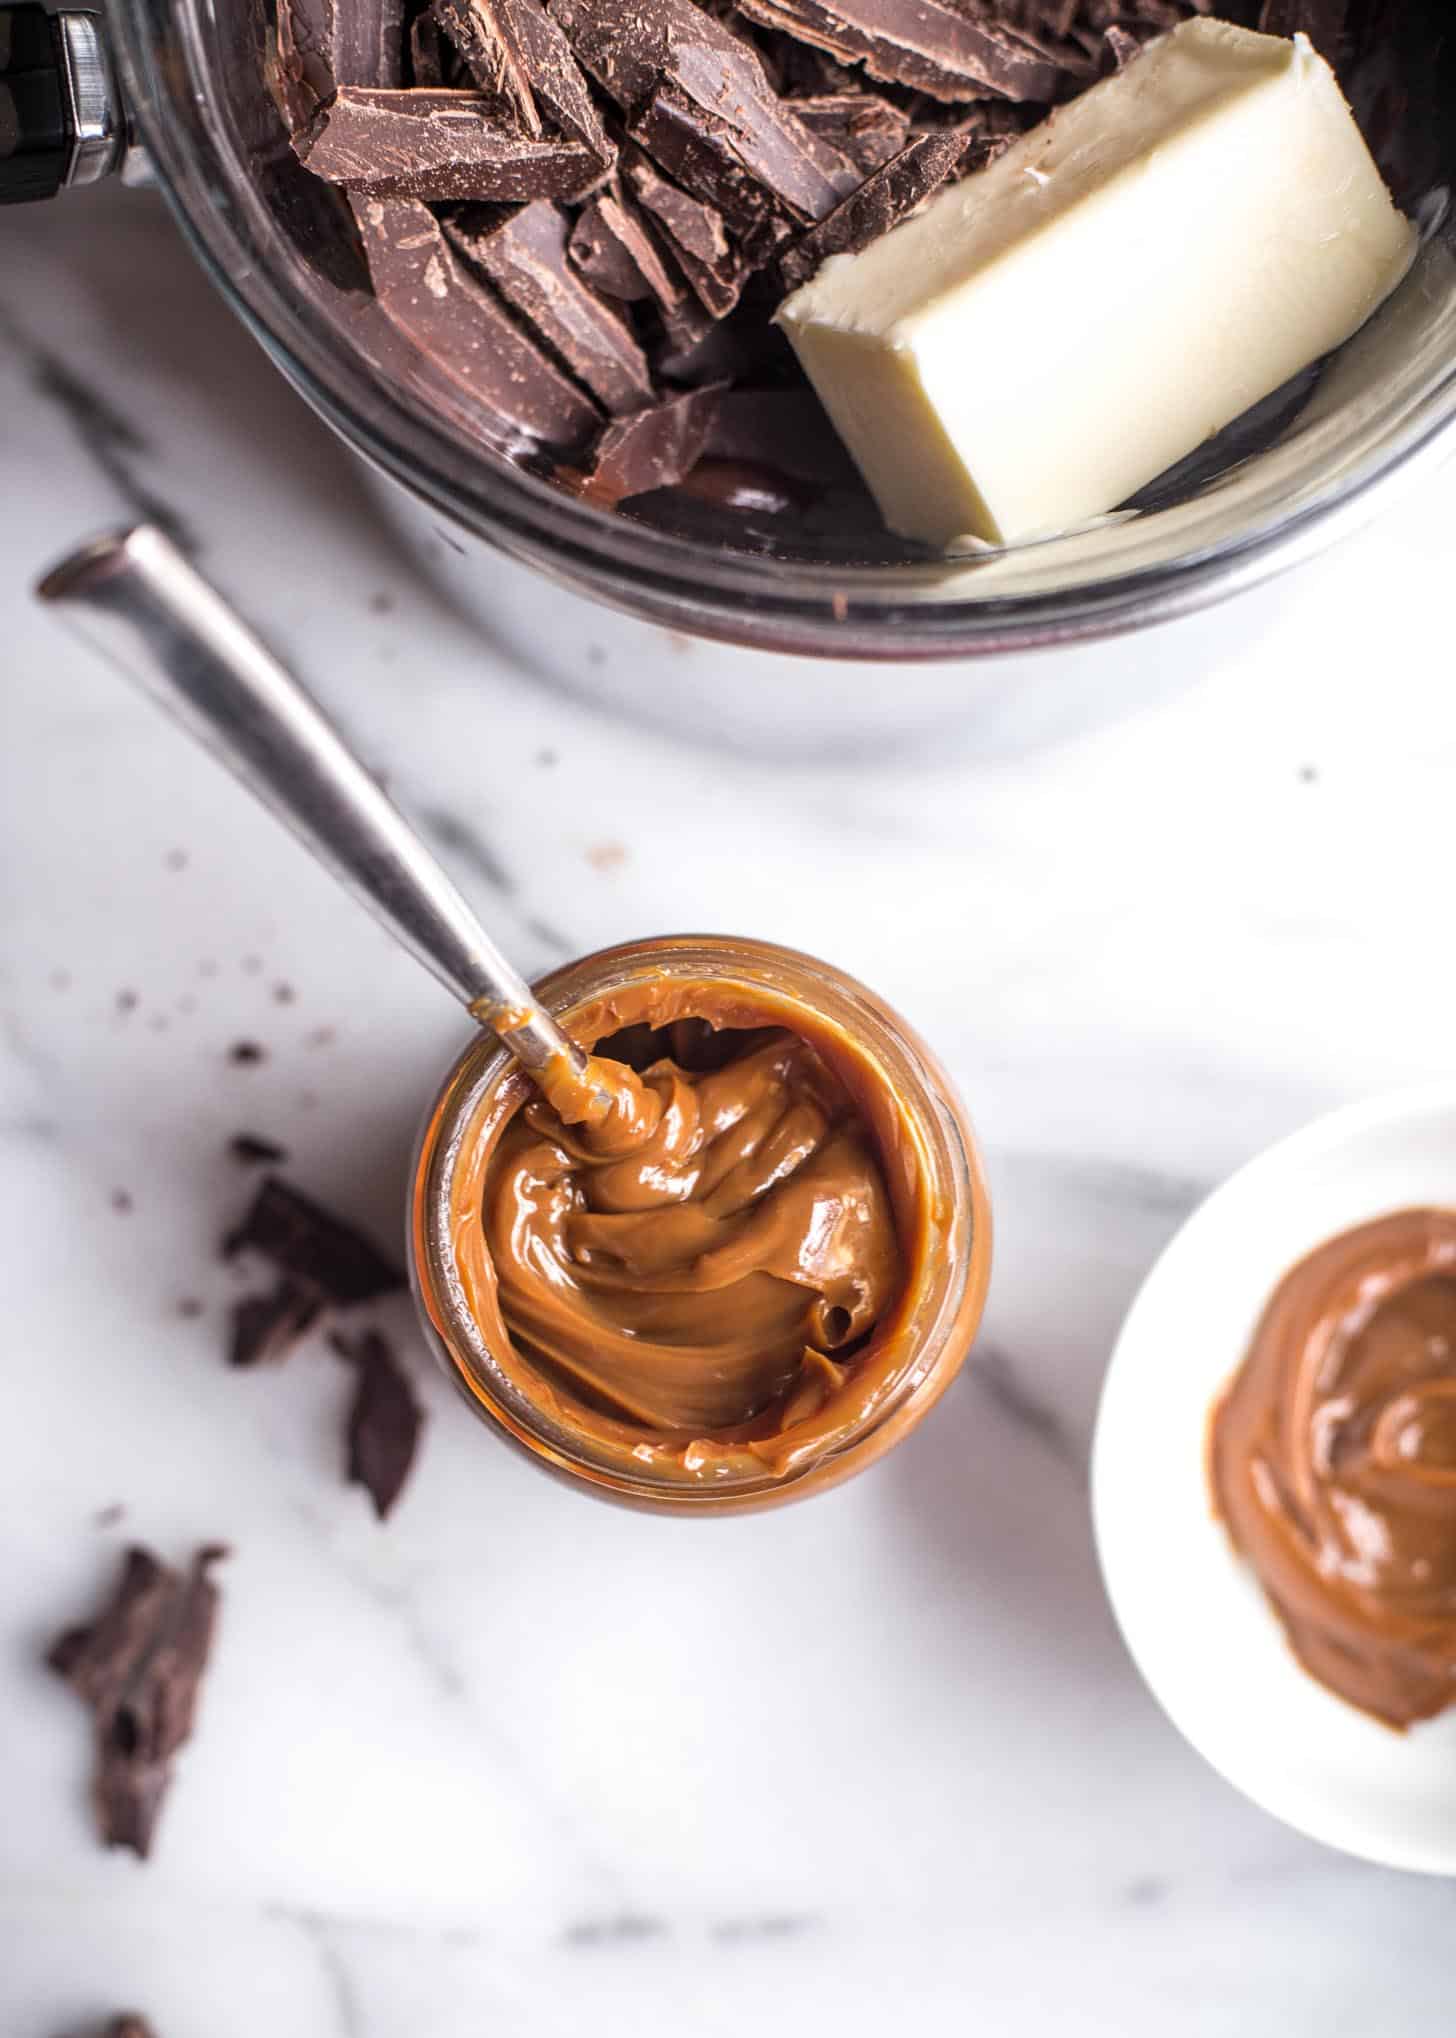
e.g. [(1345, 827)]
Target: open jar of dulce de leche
[(759, 1303)]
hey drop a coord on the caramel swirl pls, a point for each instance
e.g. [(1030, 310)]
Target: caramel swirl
[(1333, 1463), (718, 1251)]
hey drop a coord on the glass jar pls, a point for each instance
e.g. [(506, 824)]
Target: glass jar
[(932, 1172)]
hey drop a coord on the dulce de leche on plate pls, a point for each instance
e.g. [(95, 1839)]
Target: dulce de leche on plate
[(1332, 1458), (744, 1288)]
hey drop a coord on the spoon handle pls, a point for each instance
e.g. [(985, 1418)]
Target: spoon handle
[(135, 597)]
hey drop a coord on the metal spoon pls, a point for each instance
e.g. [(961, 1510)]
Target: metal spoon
[(134, 596)]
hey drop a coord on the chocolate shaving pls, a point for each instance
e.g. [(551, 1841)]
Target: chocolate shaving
[(654, 449), (861, 125), (716, 113), (441, 144), (525, 256), (251, 1151), (880, 203), (265, 1328), (385, 1420), (918, 43), (312, 1247), (138, 1666), (427, 294), (516, 52), (323, 44), (613, 251)]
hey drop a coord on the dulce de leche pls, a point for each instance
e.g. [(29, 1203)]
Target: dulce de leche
[(721, 1283), (1332, 1458)]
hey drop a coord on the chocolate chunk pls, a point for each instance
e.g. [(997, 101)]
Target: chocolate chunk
[(429, 296), (654, 449), (713, 264), (917, 42), (252, 1151), (312, 1247), (130, 2026), (384, 1422), (613, 251), (516, 52), (1323, 21), (438, 145), (881, 202), (716, 112), (861, 125), (138, 1666), (1121, 46), (267, 1327), (525, 257), (323, 44)]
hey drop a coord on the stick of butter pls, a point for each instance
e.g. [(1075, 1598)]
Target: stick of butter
[(1049, 335)]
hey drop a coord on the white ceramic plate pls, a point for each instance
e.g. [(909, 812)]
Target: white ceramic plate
[(1196, 1622)]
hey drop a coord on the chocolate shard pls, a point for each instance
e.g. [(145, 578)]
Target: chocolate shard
[(515, 51), (918, 43), (138, 1666), (719, 97), (1121, 46), (881, 202), (616, 253), (521, 398), (439, 145), (713, 263), (323, 44), (312, 1247), (861, 125), (654, 449), (252, 1151), (525, 257), (385, 1419), (265, 1328)]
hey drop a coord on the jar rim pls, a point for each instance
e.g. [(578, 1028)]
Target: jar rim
[(477, 1091)]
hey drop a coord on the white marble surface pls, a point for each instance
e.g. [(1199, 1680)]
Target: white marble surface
[(520, 1764)]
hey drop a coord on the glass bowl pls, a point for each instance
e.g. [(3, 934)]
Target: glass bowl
[(275, 239)]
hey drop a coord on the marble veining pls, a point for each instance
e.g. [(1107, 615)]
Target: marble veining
[(517, 1763)]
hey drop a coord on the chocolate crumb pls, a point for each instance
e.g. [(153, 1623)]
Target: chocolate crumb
[(109, 1516), (127, 1001), (129, 2025), (246, 1054), (381, 602), (189, 1306), (139, 1666), (266, 1328), (121, 1202), (252, 1151), (384, 1422), (175, 859), (321, 1036), (284, 994), (312, 1247)]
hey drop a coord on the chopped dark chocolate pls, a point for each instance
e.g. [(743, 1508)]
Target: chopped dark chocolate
[(323, 44), (312, 1247), (432, 61), (385, 1419), (882, 201), (1121, 46), (525, 256), (516, 52), (861, 125), (251, 1151), (715, 265), (438, 145), (919, 43), (719, 118), (266, 1328), (459, 323), (138, 1666), (654, 449), (613, 251)]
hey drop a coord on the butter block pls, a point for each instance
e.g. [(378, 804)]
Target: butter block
[(1049, 335)]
